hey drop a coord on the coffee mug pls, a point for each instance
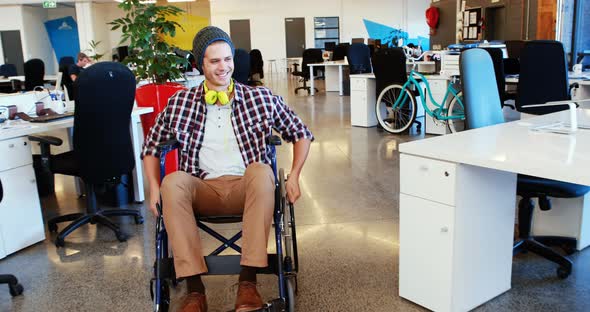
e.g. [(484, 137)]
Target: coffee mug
[(577, 68), (57, 106)]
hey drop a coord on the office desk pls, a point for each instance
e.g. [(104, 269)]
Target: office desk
[(457, 200), (21, 222), (22, 78), (329, 75)]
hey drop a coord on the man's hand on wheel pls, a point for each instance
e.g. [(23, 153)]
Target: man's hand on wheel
[(292, 188)]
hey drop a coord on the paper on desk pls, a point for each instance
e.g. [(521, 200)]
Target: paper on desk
[(558, 127)]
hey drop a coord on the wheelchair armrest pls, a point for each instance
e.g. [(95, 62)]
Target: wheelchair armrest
[(45, 139), (273, 140), (167, 146)]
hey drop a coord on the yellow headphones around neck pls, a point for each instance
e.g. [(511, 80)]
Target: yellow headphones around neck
[(211, 96)]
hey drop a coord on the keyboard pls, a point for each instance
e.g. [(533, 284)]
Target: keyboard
[(45, 118)]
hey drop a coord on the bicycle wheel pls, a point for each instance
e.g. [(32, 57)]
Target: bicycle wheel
[(456, 109), (400, 118)]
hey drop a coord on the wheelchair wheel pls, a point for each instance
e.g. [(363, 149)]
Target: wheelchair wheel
[(395, 119), (288, 233), (456, 109), (291, 291), (164, 297)]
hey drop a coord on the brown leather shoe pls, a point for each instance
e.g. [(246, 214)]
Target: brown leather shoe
[(248, 297), (193, 302)]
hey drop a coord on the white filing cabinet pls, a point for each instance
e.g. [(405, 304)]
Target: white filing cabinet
[(362, 100), (444, 266), (438, 87), (21, 221)]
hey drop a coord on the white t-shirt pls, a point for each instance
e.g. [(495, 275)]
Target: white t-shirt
[(220, 154)]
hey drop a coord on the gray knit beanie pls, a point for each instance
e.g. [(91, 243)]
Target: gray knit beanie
[(204, 38)]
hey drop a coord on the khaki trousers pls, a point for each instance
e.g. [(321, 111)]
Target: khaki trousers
[(184, 196)]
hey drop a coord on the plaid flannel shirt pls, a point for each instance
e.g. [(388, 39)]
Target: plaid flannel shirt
[(255, 113)]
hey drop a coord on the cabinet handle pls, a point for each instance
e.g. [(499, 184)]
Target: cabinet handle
[(446, 173), (10, 145), (444, 229)]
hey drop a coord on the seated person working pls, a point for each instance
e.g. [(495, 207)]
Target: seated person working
[(221, 126), (76, 69)]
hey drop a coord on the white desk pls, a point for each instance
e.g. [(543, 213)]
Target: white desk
[(21, 222), (22, 78), (457, 199), (329, 75)]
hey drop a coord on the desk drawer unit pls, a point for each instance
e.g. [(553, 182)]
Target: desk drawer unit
[(362, 102), (456, 226), (21, 222), (15, 153), (428, 178)]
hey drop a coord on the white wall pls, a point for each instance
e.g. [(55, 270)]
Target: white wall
[(35, 39), (11, 19), (61, 12), (267, 18)]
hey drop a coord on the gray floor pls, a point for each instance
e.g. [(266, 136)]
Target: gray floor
[(347, 230)]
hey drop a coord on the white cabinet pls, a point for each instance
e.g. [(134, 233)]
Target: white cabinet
[(438, 87), (456, 226), (362, 101), (21, 221)]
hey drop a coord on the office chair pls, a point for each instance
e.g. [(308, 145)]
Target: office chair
[(256, 67), (482, 109), (543, 77), (8, 70), (498, 61), (340, 52), (359, 58), (102, 143), (13, 285), (34, 74), (310, 56), (241, 66), (389, 67)]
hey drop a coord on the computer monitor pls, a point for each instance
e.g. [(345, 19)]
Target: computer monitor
[(329, 45)]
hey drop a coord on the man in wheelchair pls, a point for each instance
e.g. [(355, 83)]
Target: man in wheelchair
[(221, 127)]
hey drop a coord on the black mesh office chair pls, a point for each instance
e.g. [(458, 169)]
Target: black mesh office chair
[(34, 74), (256, 67), (359, 58), (7, 70), (498, 61), (103, 150), (241, 66), (310, 56), (482, 109), (543, 77), (13, 285), (389, 67)]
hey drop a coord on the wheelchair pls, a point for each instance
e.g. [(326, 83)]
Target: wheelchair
[(284, 263)]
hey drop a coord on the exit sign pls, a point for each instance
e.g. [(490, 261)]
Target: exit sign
[(49, 4)]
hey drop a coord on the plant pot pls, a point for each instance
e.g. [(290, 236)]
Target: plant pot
[(156, 96)]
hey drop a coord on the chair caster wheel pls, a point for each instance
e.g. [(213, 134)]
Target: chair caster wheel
[(563, 273), (122, 237), (139, 220), (59, 242), (52, 227), (15, 289)]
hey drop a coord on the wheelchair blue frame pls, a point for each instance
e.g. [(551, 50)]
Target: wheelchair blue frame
[(284, 266)]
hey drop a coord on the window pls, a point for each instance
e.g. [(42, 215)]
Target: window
[(574, 30), (326, 30)]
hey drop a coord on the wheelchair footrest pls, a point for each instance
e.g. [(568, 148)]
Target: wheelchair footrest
[(230, 265), (166, 268)]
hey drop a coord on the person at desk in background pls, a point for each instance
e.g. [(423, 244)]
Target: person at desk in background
[(221, 126), (76, 69)]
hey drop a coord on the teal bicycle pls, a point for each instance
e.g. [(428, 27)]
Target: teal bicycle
[(396, 106)]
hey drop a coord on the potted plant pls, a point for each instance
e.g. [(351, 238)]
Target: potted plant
[(144, 27)]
